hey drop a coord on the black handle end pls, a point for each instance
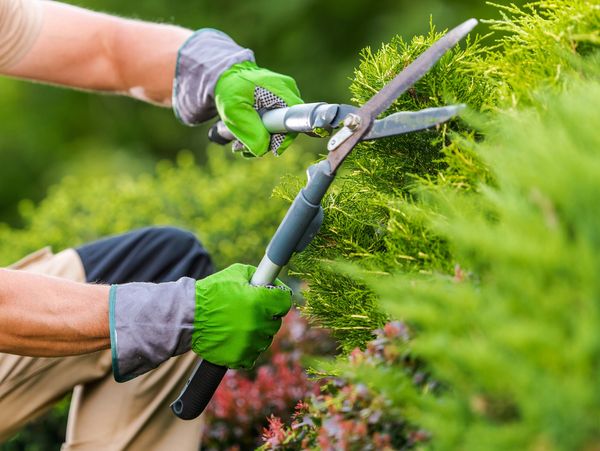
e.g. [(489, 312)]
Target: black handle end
[(199, 390), (219, 134)]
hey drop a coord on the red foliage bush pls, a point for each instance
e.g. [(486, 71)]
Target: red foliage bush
[(239, 411), (279, 407), (347, 415)]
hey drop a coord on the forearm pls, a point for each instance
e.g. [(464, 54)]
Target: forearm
[(94, 51), (46, 316)]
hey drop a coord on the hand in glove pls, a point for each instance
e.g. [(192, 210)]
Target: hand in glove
[(222, 318), (214, 74)]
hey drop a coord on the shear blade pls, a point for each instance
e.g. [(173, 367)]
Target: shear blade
[(410, 121), (381, 101)]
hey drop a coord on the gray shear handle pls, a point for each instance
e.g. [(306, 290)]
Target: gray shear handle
[(300, 225), (303, 118), (199, 390), (220, 134)]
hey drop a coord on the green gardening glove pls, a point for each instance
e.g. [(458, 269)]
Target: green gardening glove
[(223, 318), (236, 321), (215, 75), (242, 91)]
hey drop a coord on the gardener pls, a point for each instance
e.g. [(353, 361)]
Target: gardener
[(175, 304)]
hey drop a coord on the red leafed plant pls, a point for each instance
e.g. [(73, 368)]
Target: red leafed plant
[(346, 415), (239, 411)]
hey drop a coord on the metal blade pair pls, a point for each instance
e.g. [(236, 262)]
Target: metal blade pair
[(357, 125), (398, 123), (331, 116), (312, 118)]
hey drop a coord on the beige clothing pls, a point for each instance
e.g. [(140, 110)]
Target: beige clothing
[(20, 24), (104, 415)]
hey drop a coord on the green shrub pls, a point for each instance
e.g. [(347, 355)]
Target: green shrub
[(512, 335), (484, 240), (227, 203), (374, 215)]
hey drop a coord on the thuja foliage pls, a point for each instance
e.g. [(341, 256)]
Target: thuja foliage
[(511, 337), (485, 241), (374, 216)]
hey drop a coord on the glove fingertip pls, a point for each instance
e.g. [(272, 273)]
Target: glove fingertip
[(258, 142), (287, 142)]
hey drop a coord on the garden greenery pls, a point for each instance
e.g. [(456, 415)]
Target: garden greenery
[(502, 352), (375, 217), (482, 236), (482, 239), (227, 203)]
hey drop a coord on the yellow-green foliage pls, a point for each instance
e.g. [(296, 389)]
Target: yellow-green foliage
[(512, 335), (486, 243), (537, 51), (227, 203), (375, 216)]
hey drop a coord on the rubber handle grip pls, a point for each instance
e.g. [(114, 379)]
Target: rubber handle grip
[(199, 390)]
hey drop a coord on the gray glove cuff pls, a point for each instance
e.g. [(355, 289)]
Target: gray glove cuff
[(201, 61), (149, 323)]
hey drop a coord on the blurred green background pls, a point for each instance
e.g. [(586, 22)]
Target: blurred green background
[(47, 132)]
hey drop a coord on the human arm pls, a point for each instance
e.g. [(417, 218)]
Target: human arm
[(46, 316), (222, 317), (157, 63), (83, 49)]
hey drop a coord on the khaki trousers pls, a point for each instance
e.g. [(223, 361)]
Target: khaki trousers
[(104, 415)]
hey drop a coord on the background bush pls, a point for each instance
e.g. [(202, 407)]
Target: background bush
[(227, 202)]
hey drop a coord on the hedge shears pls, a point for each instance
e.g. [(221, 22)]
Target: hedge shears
[(349, 125)]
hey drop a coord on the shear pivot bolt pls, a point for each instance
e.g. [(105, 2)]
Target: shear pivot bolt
[(352, 121)]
